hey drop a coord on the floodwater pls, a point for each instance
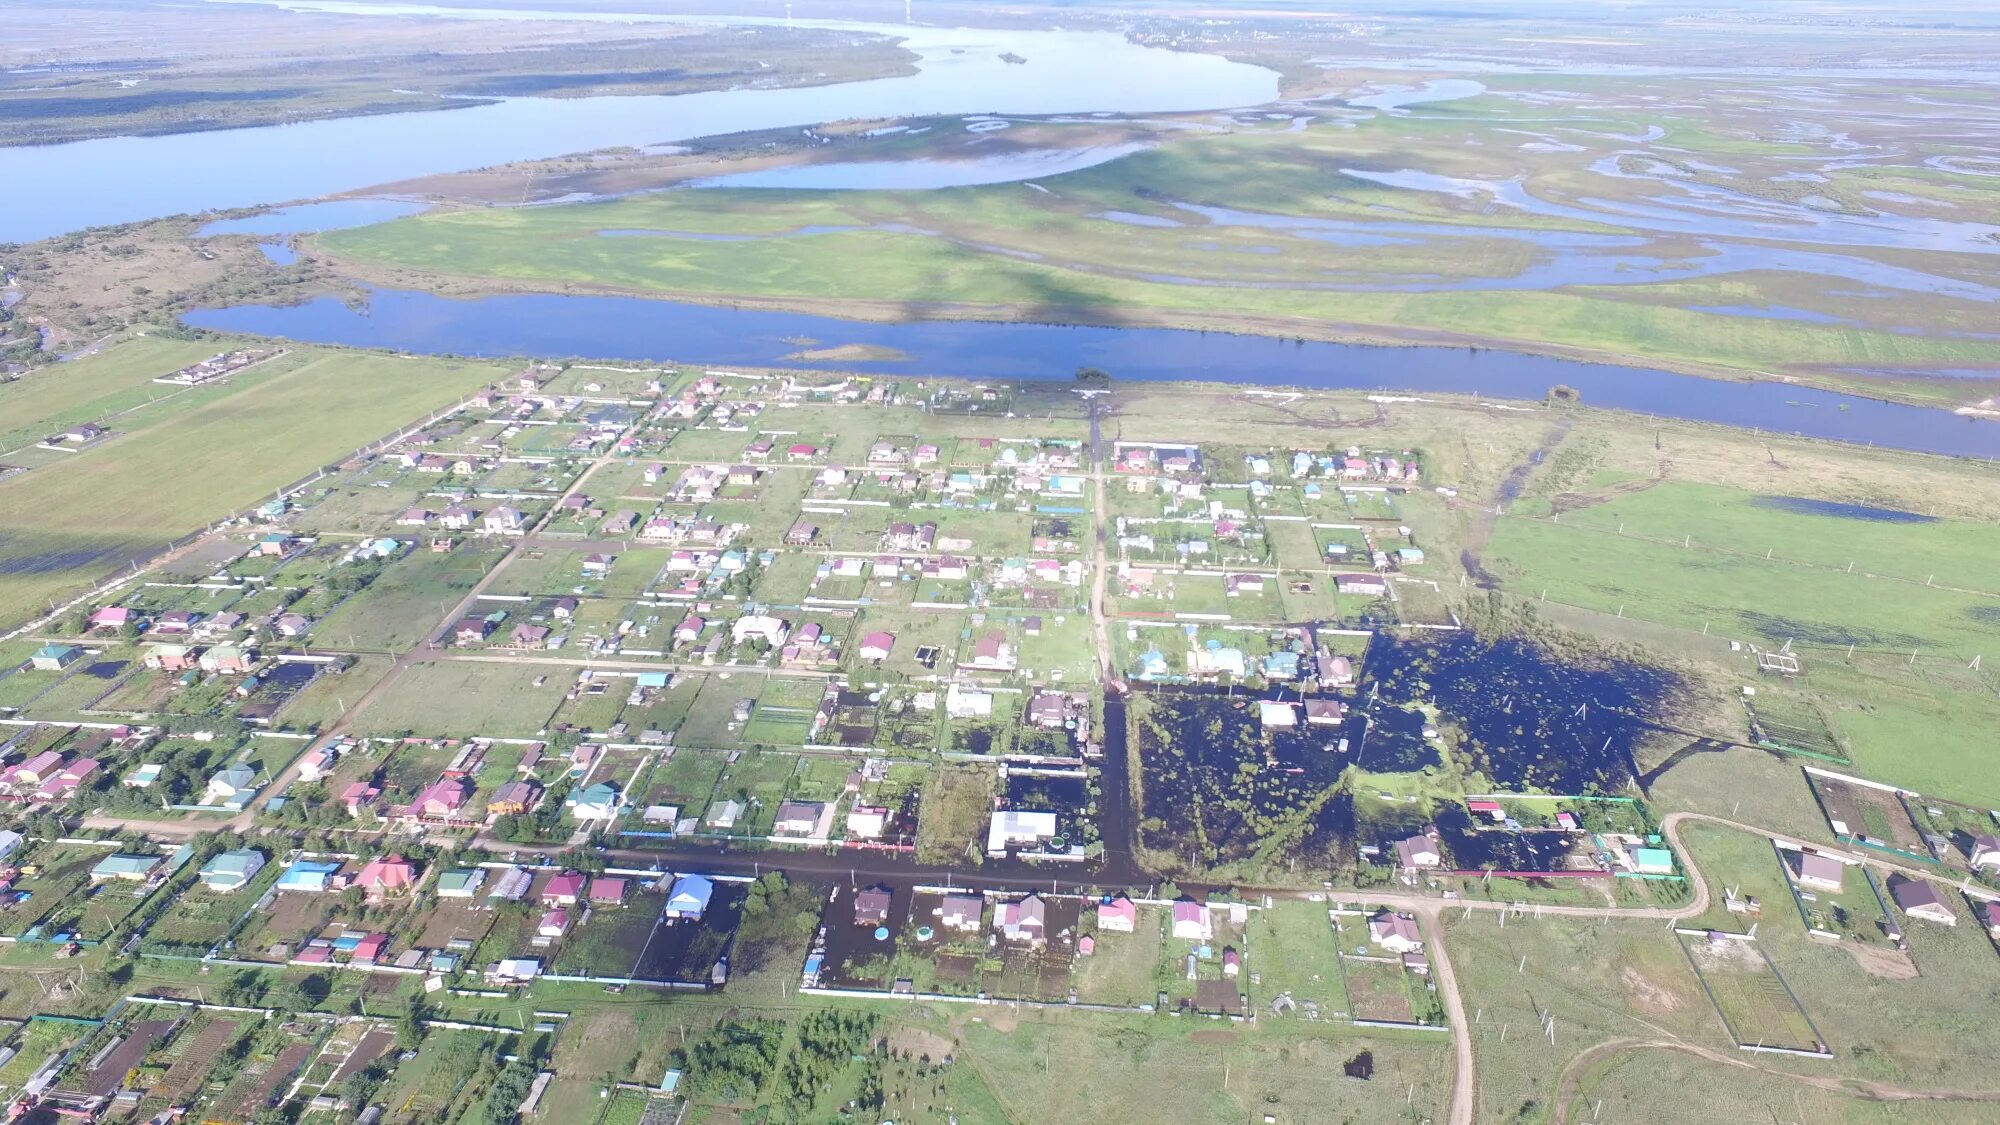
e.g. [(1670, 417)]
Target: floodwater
[(1705, 209), (278, 253), (1562, 257), (1437, 90), (65, 187), (1527, 718), (635, 328)]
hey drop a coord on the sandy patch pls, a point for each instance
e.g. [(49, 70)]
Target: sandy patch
[(1646, 995), (917, 1042), (1892, 964)]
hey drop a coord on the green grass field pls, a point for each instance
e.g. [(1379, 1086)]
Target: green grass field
[(1802, 592), (71, 522)]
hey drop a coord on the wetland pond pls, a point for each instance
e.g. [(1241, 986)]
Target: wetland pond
[(637, 328), (1217, 785)]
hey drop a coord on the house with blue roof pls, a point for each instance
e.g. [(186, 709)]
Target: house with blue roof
[(1281, 666), (309, 875), (1152, 665), (689, 898)]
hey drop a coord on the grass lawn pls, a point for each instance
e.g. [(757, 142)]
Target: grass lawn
[(460, 698), (957, 803), (1293, 946)]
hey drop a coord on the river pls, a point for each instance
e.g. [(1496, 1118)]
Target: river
[(635, 328), (60, 188)]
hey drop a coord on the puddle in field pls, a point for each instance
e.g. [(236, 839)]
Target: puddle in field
[(1800, 505)]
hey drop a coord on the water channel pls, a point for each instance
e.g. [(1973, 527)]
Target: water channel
[(635, 328)]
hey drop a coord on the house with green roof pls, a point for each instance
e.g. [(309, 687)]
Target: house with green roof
[(598, 802), (232, 870), (129, 868), (54, 657), (462, 883)]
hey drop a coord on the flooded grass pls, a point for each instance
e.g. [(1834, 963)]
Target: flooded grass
[(1805, 507), (1525, 718), (1215, 782)]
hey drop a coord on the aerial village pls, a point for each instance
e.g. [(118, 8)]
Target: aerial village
[(622, 680)]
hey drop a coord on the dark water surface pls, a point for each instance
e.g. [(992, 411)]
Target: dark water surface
[(634, 328)]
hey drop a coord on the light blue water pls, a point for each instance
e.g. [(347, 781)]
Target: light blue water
[(58, 188)]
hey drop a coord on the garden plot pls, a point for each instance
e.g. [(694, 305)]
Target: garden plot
[(1127, 969), (283, 925), (37, 1041), (684, 780), (1793, 725), (199, 918), (1836, 899), (1296, 952), (445, 922), (1863, 814), (1749, 994), (1377, 990), (633, 941), (957, 803)]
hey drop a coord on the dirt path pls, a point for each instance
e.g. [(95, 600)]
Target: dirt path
[(1572, 1076)]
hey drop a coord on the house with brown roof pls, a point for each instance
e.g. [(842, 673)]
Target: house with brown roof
[(962, 912), (871, 906), (1819, 872), (797, 818), (1418, 852), (992, 653), (514, 798), (1985, 852), (1397, 933), (1918, 899), (1023, 921)]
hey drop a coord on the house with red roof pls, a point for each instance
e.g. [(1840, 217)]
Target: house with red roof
[(445, 797), (563, 889), (1191, 920), (1118, 914), (878, 645), (358, 796), (554, 924), (606, 891), (387, 875), (370, 948)]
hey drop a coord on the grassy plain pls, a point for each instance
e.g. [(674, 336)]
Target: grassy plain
[(1688, 555), (1063, 249), (176, 470)]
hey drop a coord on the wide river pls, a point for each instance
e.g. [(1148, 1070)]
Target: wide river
[(53, 189), (636, 328)]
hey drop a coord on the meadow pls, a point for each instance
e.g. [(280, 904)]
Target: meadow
[(176, 470), (1758, 568), (1336, 241)]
